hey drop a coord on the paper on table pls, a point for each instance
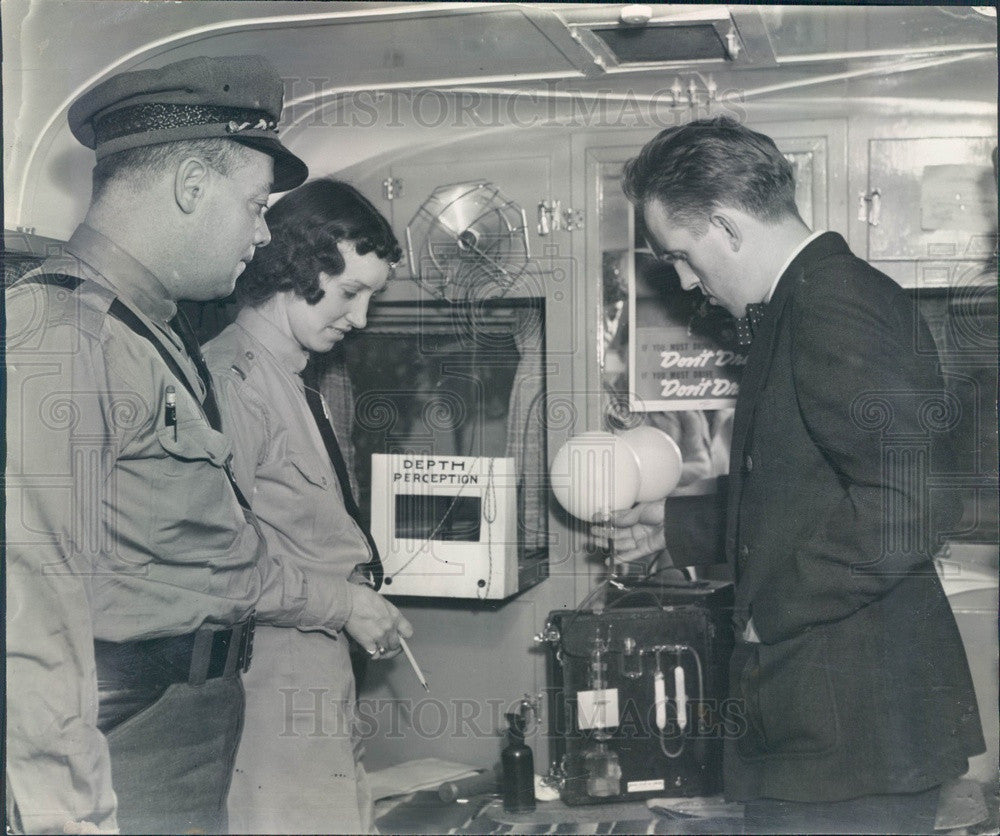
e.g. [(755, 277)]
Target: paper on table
[(421, 774), (698, 807)]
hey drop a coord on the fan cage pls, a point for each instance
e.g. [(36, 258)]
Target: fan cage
[(468, 238)]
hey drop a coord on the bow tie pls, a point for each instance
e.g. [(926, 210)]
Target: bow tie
[(746, 326)]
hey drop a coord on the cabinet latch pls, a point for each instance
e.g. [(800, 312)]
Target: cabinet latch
[(552, 217), (870, 206)]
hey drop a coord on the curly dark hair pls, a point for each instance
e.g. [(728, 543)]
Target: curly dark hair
[(306, 226), (691, 168)]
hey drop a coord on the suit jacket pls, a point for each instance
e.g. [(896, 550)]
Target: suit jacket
[(859, 684)]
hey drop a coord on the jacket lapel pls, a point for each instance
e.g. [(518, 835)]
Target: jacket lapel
[(754, 376), (757, 368), (759, 360)]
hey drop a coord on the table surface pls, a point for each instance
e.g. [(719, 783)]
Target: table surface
[(424, 812), (968, 805)]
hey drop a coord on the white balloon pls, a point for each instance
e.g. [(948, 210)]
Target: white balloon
[(659, 460), (594, 474)]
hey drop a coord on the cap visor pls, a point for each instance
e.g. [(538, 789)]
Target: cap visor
[(289, 170)]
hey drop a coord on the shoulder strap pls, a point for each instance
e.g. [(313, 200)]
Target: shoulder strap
[(315, 401), (184, 330), (130, 320), (120, 311)]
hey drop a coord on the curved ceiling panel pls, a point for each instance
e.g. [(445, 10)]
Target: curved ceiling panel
[(55, 50)]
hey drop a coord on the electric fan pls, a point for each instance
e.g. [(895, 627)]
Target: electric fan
[(467, 241)]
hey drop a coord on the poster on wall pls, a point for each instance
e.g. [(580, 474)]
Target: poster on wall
[(682, 351)]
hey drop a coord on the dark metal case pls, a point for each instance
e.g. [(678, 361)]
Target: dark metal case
[(629, 761)]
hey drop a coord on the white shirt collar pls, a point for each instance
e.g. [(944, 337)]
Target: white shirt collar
[(805, 243)]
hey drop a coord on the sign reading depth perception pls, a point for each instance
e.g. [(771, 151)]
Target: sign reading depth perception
[(446, 526)]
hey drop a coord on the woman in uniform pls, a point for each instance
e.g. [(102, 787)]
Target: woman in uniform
[(297, 769)]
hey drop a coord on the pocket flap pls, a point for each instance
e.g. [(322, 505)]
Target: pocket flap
[(312, 470), (195, 441)]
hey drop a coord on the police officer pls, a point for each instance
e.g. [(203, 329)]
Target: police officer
[(134, 562)]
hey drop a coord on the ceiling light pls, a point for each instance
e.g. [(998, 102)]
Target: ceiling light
[(636, 15)]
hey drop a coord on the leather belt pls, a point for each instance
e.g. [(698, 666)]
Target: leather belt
[(208, 653)]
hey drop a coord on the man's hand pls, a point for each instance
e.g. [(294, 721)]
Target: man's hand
[(637, 532), (375, 623)]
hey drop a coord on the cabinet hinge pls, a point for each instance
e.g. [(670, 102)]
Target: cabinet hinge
[(392, 187)]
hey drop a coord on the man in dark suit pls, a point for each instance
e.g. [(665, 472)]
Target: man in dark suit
[(849, 669)]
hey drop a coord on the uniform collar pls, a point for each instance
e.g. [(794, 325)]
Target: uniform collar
[(122, 272), (283, 347)]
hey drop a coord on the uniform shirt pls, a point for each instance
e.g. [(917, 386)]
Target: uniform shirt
[(279, 459), (281, 463), (117, 528)]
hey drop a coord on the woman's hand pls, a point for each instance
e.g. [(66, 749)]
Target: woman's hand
[(375, 623)]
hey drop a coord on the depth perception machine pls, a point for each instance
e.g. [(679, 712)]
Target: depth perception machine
[(637, 692)]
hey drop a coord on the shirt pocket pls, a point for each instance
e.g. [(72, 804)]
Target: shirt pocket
[(311, 498), (196, 517), (310, 470)]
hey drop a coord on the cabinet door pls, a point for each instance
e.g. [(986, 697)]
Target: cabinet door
[(931, 209)]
